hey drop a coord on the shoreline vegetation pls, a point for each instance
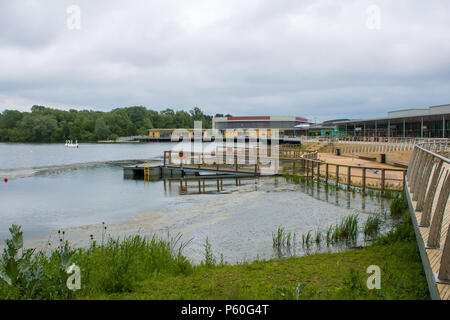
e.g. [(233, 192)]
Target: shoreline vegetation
[(44, 124), (155, 268)]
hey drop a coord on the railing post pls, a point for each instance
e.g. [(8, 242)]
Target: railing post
[(423, 187), (436, 224), (444, 269), (412, 164), (383, 178), (420, 175), (417, 172), (326, 172), (426, 214)]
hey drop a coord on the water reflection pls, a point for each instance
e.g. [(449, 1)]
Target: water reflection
[(342, 197)]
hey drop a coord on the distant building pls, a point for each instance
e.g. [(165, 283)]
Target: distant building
[(330, 128), (286, 125), (433, 122)]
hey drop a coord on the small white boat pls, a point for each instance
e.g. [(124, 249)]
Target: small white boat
[(70, 144)]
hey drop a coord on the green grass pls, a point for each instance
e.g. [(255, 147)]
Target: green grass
[(117, 266), (320, 276), (155, 268)]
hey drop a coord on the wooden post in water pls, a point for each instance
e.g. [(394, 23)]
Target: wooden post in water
[(293, 166), (312, 169), (307, 168), (165, 154), (318, 170), (337, 174), (364, 179), (349, 176), (326, 172), (383, 178)]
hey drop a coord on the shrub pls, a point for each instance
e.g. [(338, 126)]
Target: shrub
[(399, 205)]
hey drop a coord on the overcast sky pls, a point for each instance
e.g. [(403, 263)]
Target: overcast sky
[(318, 59)]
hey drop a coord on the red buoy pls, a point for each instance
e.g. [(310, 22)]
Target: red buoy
[(6, 179), (180, 154)]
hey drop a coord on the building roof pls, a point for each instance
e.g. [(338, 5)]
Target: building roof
[(260, 118), (408, 113)]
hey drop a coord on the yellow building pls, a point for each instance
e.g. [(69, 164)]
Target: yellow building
[(165, 134)]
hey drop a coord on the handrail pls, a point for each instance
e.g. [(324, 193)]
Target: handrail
[(428, 190), (433, 154)]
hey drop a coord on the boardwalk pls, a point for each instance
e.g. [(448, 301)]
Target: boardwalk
[(428, 189)]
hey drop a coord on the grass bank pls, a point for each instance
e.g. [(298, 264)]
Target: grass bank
[(139, 268), (317, 276)]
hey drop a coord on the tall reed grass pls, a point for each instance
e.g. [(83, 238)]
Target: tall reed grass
[(115, 266)]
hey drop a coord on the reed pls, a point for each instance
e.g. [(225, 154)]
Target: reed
[(329, 235), (307, 239), (399, 205), (347, 229), (282, 238), (115, 266), (372, 226)]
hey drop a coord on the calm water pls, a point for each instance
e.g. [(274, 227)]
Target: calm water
[(52, 187)]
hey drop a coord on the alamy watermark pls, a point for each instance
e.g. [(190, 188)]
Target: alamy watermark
[(247, 147), (74, 280), (373, 21), (374, 280), (73, 21)]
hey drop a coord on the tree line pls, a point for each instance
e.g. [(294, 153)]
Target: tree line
[(44, 124)]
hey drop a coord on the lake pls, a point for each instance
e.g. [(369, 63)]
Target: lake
[(51, 187)]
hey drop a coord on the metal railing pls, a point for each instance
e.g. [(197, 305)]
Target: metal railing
[(428, 182)]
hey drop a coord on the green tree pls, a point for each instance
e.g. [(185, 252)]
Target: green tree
[(101, 129), (11, 118), (43, 128), (44, 124)]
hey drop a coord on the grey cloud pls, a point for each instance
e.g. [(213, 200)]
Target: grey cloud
[(306, 58)]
